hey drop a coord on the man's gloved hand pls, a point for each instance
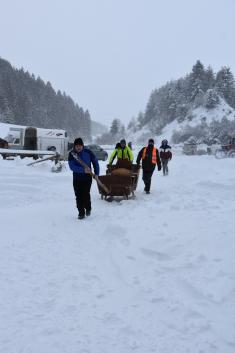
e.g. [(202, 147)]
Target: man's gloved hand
[(159, 168), (87, 170)]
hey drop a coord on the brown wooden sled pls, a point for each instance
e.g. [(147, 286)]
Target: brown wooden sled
[(121, 180)]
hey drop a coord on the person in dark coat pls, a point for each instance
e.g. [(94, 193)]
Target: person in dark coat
[(165, 155), (3, 144), (150, 158), (82, 179)]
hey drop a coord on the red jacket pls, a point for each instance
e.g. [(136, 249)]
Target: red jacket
[(165, 152)]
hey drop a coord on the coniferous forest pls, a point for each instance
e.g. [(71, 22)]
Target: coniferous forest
[(27, 100), (178, 100)]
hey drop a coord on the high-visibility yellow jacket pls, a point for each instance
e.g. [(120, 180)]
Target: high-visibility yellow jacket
[(122, 153)]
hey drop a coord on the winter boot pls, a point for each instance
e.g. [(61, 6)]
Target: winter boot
[(88, 213), (81, 216)]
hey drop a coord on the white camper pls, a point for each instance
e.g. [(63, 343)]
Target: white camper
[(38, 139)]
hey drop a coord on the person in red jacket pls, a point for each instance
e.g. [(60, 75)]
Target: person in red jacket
[(150, 158), (165, 155)]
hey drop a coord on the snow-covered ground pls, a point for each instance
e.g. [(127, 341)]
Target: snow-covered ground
[(199, 115), (154, 274)]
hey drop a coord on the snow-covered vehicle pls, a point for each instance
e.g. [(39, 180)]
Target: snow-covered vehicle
[(98, 151), (190, 148), (226, 151)]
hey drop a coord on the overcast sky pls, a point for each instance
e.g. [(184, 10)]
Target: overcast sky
[(108, 55)]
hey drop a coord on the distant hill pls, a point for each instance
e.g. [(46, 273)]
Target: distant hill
[(200, 105), (97, 128), (26, 100)]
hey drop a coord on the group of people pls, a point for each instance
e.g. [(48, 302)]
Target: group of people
[(81, 158), (150, 157)]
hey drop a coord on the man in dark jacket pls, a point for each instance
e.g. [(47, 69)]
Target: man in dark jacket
[(150, 158), (82, 178), (165, 155)]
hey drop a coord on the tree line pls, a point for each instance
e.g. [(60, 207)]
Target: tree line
[(176, 100), (27, 100)]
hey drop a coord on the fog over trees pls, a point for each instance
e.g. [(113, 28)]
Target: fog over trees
[(177, 100), (27, 100)]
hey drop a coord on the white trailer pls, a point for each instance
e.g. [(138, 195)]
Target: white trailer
[(37, 139)]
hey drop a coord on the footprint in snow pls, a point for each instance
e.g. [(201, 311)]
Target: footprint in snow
[(116, 232), (155, 254)]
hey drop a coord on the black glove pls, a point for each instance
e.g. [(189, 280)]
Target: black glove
[(159, 168)]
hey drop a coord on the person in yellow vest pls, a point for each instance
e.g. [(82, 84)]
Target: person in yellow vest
[(150, 158), (122, 151)]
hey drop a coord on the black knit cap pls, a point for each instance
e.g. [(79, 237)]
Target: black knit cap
[(78, 141), (151, 142)]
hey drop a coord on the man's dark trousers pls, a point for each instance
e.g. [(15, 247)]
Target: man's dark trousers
[(147, 175), (82, 189)]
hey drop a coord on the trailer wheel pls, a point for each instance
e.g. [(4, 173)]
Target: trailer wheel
[(51, 148)]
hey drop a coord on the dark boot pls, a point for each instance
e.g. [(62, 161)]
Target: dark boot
[(81, 216)]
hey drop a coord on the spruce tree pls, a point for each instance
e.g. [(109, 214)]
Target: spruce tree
[(211, 99), (225, 85), (197, 80), (115, 127)]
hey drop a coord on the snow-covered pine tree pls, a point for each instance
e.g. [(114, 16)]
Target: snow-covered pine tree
[(87, 125), (209, 78), (225, 85), (115, 127), (211, 99), (197, 83)]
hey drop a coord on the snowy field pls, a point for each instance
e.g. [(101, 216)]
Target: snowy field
[(154, 274)]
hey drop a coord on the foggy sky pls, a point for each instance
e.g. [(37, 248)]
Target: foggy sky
[(108, 55)]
